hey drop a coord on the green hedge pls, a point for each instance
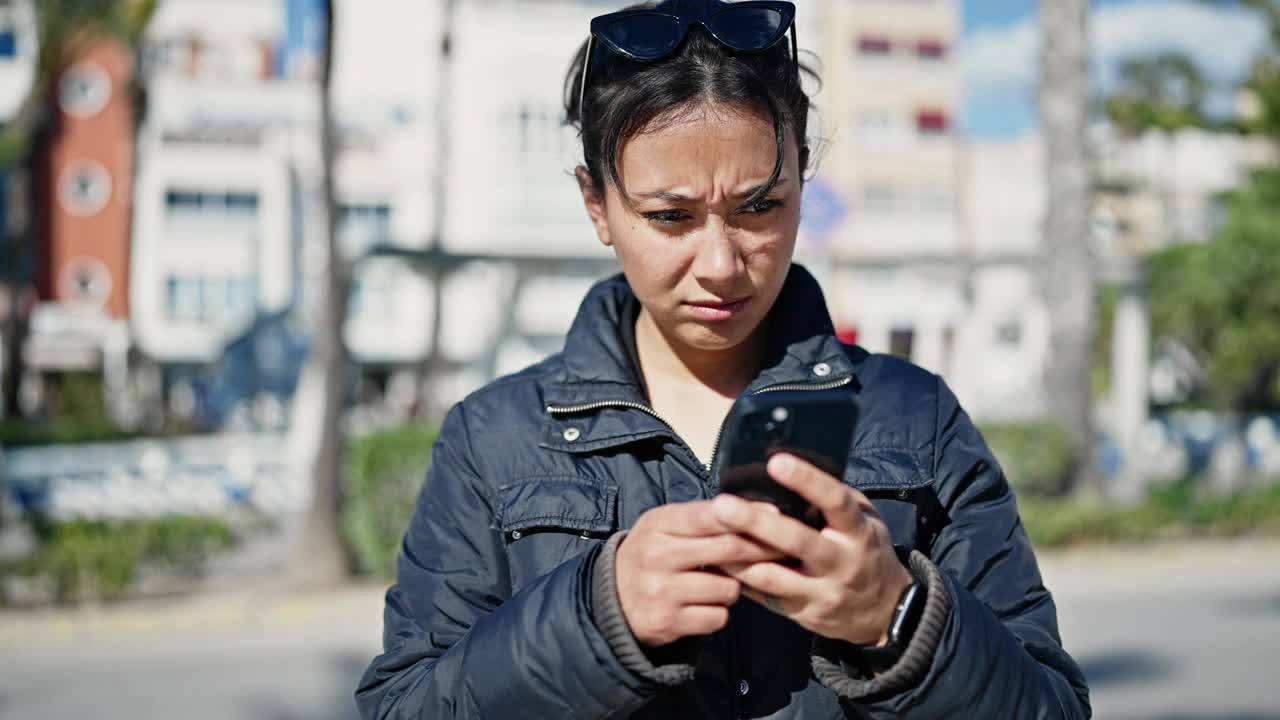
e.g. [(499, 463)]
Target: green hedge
[(384, 473), (1179, 510), (100, 559), (1035, 456), (76, 416)]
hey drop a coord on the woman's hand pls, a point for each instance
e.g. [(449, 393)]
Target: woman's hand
[(663, 589), (850, 577)]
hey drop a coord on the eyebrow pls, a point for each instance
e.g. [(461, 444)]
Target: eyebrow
[(677, 197)]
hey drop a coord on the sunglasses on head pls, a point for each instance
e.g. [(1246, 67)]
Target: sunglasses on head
[(648, 34)]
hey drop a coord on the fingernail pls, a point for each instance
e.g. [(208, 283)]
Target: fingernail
[(781, 466), (725, 507)]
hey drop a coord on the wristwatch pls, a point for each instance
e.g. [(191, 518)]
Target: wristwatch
[(906, 616)]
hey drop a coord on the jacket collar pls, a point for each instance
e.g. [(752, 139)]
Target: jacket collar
[(599, 352)]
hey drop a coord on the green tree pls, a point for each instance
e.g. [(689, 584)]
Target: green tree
[(1166, 92), (1222, 299), (1263, 83)]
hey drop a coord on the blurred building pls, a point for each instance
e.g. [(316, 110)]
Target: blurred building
[(82, 204), (229, 223), (897, 248), (1161, 188), (513, 205), (225, 153), (999, 367), (385, 89)]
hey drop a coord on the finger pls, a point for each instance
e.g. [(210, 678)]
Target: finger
[(789, 535), (700, 619), (688, 519), (773, 603), (841, 505), (729, 547), (702, 588), (774, 579)]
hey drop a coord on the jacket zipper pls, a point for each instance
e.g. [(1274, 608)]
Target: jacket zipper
[(715, 448), (780, 387)]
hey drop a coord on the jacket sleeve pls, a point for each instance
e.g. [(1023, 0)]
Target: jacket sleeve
[(459, 644), (999, 654)]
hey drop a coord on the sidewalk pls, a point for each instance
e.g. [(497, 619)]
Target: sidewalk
[(1176, 630), (354, 607)]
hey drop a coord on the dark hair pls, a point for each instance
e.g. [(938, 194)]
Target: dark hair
[(624, 96)]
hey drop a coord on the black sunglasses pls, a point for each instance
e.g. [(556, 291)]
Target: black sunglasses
[(649, 34)]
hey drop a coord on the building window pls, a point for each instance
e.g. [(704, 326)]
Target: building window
[(182, 298), (235, 210), (363, 226), (878, 197), (1009, 333), (936, 198), (931, 50), (873, 124), (84, 90), (874, 45), (84, 188), (220, 299), (932, 122), (534, 127), (902, 342), (85, 280), (236, 203), (372, 296)]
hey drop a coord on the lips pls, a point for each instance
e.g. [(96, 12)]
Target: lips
[(718, 309)]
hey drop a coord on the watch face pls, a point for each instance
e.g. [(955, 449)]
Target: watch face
[(907, 615)]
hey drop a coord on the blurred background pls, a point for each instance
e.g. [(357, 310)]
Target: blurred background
[(251, 251)]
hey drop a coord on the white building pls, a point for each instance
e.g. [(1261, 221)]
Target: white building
[(888, 104), (225, 153), (1161, 188), (228, 223), (998, 369)]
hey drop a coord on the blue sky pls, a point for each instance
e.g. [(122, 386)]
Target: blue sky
[(998, 55)]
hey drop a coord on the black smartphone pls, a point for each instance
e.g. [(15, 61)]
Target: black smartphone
[(814, 425)]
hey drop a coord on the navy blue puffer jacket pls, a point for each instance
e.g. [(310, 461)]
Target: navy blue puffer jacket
[(491, 612)]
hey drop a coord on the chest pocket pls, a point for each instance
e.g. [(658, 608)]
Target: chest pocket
[(896, 483), (547, 519)]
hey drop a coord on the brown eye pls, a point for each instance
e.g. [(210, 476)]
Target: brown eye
[(665, 217), (762, 207)]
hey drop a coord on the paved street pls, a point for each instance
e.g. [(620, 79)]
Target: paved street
[(1170, 633)]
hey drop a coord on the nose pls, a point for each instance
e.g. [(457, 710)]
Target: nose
[(719, 262)]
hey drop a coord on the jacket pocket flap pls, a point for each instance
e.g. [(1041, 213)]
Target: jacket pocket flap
[(557, 501), (885, 469)]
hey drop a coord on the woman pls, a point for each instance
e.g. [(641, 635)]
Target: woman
[(566, 558)]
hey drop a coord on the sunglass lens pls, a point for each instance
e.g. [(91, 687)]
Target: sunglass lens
[(643, 37), (748, 28)]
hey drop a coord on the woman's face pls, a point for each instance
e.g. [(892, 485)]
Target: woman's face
[(705, 264)]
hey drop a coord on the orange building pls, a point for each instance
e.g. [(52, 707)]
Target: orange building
[(85, 185), (83, 193)]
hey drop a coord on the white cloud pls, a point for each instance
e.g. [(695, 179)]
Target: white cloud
[(1001, 62)]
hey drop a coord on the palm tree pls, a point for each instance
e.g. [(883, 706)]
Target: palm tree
[(64, 30), (1069, 271), (1166, 91), (317, 438)]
